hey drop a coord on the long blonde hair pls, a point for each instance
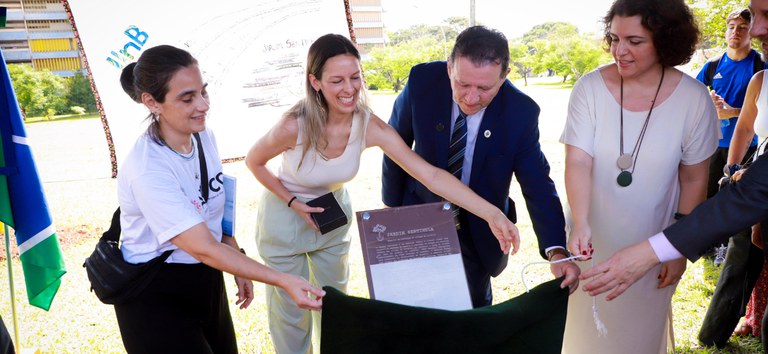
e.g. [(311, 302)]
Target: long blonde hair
[(312, 110)]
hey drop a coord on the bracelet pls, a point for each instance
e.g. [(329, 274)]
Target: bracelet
[(679, 216), (291, 201)]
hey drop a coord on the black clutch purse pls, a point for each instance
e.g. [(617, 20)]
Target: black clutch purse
[(332, 216)]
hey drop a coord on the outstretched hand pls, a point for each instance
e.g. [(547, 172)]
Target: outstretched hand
[(505, 231), (620, 271), (244, 292), (303, 293)]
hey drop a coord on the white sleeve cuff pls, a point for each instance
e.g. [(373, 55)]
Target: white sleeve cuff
[(664, 250), (553, 247)]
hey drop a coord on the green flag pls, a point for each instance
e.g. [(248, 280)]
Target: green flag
[(23, 206)]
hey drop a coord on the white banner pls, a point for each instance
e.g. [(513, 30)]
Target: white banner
[(252, 54)]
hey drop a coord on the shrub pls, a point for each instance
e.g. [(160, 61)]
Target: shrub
[(49, 113), (77, 110)]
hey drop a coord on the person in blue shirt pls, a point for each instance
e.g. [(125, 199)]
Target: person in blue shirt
[(728, 88)]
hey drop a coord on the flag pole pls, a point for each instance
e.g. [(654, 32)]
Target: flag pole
[(10, 283)]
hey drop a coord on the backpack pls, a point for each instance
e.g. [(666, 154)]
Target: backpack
[(757, 65)]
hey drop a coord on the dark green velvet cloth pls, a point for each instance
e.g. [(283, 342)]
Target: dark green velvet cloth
[(530, 323)]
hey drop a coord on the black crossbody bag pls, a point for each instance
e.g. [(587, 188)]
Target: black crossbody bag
[(116, 281)]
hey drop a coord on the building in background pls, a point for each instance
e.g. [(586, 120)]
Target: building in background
[(38, 33), (368, 23)]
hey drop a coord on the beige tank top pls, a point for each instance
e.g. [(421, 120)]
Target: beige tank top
[(318, 176)]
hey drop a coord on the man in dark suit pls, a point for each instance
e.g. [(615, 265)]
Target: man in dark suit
[(729, 77), (464, 116)]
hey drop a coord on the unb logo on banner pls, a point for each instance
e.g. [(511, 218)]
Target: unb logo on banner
[(122, 57)]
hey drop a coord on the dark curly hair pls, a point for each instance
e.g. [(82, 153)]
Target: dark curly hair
[(674, 29)]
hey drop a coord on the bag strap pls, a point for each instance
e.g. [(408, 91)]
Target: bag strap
[(711, 69), (757, 63), (113, 233), (203, 168)]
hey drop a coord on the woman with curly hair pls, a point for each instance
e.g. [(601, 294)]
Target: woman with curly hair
[(638, 138)]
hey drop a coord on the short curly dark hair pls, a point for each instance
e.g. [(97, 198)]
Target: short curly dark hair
[(671, 22)]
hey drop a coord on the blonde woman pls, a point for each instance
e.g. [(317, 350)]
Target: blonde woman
[(320, 140)]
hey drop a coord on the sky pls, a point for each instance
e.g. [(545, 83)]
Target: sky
[(512, 17)]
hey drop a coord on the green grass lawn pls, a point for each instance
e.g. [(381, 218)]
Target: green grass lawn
[(82, 202), (30, 120)]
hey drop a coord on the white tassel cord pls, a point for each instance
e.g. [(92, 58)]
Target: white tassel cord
[(602, 331)]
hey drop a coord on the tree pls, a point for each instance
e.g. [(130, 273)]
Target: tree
[(556, 47), (389, 67), (39, 92), (79, 92), (548, 30), (578, 55), (520, 61), (446, 32)]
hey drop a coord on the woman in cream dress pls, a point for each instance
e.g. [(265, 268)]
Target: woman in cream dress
[(638, 138)]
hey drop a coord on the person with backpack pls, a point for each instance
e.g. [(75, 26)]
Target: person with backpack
[(728, 76)]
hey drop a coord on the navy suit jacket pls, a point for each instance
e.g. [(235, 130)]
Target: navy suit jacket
[(734, 208), (422, 117)]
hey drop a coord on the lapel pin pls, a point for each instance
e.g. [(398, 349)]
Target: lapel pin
[(440, 127), (487, 134)]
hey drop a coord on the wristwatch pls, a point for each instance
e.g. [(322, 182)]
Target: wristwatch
[(557, 250), (729, 170)]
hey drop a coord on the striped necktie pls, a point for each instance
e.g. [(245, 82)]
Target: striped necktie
[(456, 154)]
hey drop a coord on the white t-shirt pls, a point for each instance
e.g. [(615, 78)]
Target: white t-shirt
[(159, 196)]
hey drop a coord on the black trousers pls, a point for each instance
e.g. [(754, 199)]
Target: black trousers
[(742, 266), (183, 310), (478, 278), (6, 344)]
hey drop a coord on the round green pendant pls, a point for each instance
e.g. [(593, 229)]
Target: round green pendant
[(624, 179)]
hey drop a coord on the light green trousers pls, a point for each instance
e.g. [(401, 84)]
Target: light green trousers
[(286, 243)]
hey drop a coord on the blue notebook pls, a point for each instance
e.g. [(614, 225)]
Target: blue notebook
[(228, 222)]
